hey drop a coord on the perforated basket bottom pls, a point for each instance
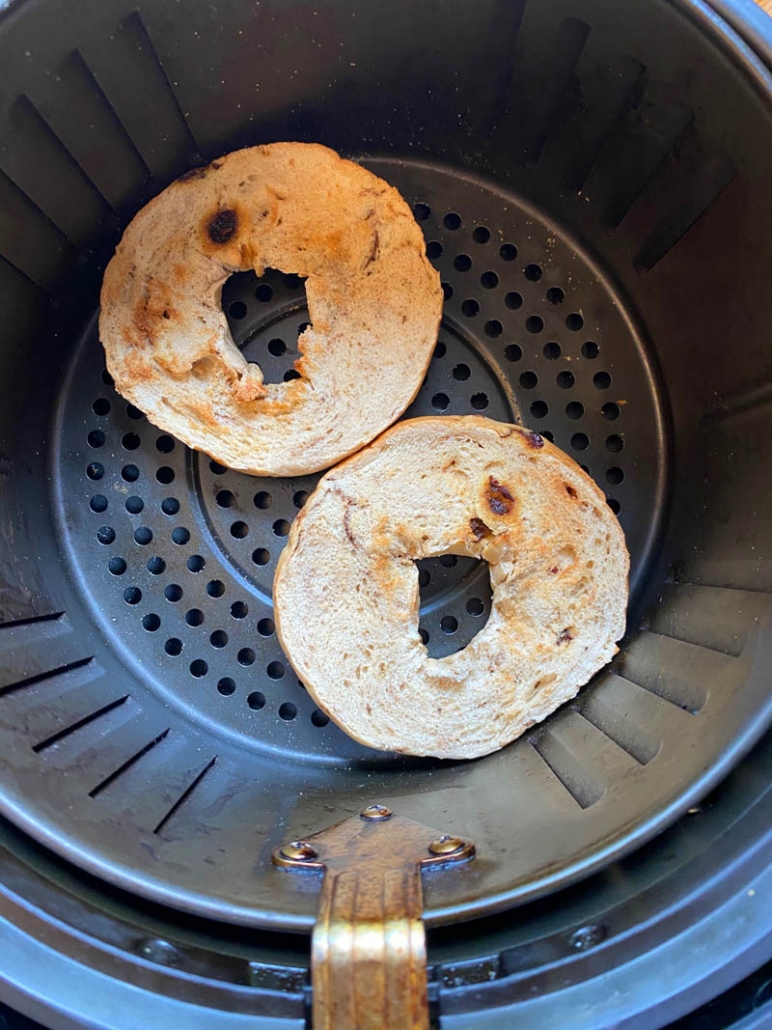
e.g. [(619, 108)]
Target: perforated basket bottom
[(153, 732), (179, 553)]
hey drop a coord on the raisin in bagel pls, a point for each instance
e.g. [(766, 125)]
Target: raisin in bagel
[(346, 588), (374, 305)]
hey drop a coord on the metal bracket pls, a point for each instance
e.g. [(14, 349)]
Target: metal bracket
[(368, 950)]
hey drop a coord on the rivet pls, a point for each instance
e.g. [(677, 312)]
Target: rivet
[(156, 950), (376, 812), (587, 937), (299, 851), (446, 845)]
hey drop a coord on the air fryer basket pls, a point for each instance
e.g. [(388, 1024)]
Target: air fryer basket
[(592, 181)]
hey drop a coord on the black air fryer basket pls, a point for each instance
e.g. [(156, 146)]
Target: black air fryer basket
[(593, 180)]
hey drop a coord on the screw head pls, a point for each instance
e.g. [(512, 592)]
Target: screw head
[(376, 813), (446, 845), (587, 937), (299, 851)]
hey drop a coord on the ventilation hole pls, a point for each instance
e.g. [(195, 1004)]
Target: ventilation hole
[(452, 221), (461, 372), (508, 252), (130, 441), (528, 380), (462, 262), (602, 380), (555, 295), (277, 347), (219, 638), (101, 406), (261, 556), (105, 534), (151, 622), (287, 711), (590, 350), (448, 624), (226, 686), (95, 470), (134, 505), (475, 606), (424, 635), (165, 475), (133, 412), (470, 308), (299, 498), (302, 327), (534, 324), (574, 321), (423, 578), (614, 476), (156, 565), (276, 670), (263, 499), (565, 380), (548, 435), (614, 443), (580, 441), (198, 668), (489, 280), (440, 350), (610, 411), (480, 401), (217, 469), (96, 438), (574, 410), (98, 503), (449, 561), (256, 700), (173, 646), (551, 351), (180, 535), (107, 379), (165, 444), (215, 588), (533, 273), (292, 282), (130, 473), (173, 592), (224, 498), (264, 293), (239, 610), (421, 212), (447, 291), (132, 595), (117, 566), (143, 535), (194, 617), (265, 627), (246, 656), (539, 409), (440, 401), (493, 328), (434, 250), (238, 310), (614, 504), (512, 352), (239, 530), (319, 718)]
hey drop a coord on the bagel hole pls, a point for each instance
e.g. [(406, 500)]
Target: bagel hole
[(454, 601)]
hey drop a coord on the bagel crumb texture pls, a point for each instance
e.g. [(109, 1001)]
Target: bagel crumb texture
[(374, 305), (346, 590)]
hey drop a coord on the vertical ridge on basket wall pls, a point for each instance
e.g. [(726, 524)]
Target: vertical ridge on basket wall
[(29, 241)]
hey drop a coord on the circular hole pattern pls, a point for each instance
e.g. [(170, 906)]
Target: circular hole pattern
[(130, 441), (452, 221), (96, 438), (226, 686), (528, 380), (151, 622), (224, 498), (263, 500), (261, 556), (319, 718), (133, 412), (614, 476), (132, 595), (590, 350), (555, 295), (489, 280), (534, 324), (165, 444), (101, 406), (173, 592), (440, 350), (551, 351), (237, 309), (256, 700), (130, 473), (421, 212), (462, 372), (239, 530), (216, 468), (276, 670), (165, 475), (434, 250), (107, 379), (98, 503), (263, 293), (277, 347), (580, 441), (614, 443), (565, 380), (180, 535), (448, 624), (195, 563), (198, 668), (156, 565), (539, 409), (493, 328), (508, 252), (440, 401), (448, 560), (610, 411), (281, 527), (574, 321), (134, 505), (95, 470), (474, 606), (533, 273), (299, 498), (143, 535), (512, 352), (215, 588), (614, 504), (106, 534), (117, 566), (173, 646), (287, 711), (265, 627), (462, 262), (574, 410), (194, 617), (479, 401), (246, 656), (447, 290), (602, 380), (219, 638), (481, 234), (513, 300), (470, 308), (239, 610)]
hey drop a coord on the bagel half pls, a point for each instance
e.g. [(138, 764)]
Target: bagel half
[(346, 588), (374, 305)]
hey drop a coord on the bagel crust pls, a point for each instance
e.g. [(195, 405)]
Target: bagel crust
[(346, 588), (374, 305)]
